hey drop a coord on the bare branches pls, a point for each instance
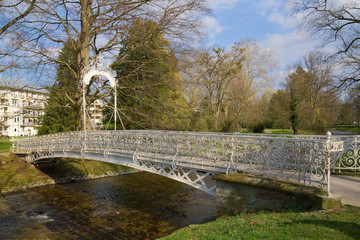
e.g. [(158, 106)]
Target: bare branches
[(227, 82), (19, 17), (335, 23)]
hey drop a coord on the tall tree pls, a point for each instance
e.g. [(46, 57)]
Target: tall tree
[(94, 27), (60, 114), (219, 69), (294, 115), (350, 109), (251, 80), (224, 86), (150, 93), (278, 111), (311, 91), (336, 23)]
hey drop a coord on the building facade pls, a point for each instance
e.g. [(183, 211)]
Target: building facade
[(96, 114), (21, 111)]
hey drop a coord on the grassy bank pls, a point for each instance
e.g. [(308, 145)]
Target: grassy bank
[(15, 174), (5, 144), (343, 223)]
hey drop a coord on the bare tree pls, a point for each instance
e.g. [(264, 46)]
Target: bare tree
[(12, 12), (336, 23), (228, 81), (253, 77), (219, 69), (310, 85), (93, 27)]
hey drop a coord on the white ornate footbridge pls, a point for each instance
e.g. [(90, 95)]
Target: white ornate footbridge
[(192, 158)]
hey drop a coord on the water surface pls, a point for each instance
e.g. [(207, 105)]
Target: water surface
[(131, 206)]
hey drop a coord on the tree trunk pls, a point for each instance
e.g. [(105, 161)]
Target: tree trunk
[(83, 58)]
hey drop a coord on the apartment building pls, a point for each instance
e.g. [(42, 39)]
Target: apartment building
[(20, 111), (96, 114)]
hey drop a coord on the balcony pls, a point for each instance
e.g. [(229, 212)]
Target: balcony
[(37, 125)]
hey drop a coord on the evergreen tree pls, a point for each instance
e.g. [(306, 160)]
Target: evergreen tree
[(150, 91), (294, 118), (61, 112), (278, 110)]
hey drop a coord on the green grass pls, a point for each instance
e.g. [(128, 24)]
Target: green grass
[(290, 132), (5, 144), (349, 129), (16, 174), (343, 223)]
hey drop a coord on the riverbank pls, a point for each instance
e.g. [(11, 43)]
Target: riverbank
[(16, 175), (343, 223)]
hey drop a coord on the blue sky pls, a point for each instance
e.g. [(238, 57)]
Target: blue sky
[(265, 21)]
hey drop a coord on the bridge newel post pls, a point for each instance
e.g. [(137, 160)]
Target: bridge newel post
[(327, 163), (13, 143), (84, 107)]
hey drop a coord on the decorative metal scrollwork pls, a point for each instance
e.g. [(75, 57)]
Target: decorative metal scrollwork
[(83, 149), (65, 150), (106, 150), (135, 156)]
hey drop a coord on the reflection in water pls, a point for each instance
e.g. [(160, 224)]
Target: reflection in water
[(132, 206)]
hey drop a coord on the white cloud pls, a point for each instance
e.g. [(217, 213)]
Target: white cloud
[(223, 4), (212, 26), (269, 4), (289, 47), (274, 11), (283, 20)]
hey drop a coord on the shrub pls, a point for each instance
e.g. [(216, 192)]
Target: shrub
[(259, 128)]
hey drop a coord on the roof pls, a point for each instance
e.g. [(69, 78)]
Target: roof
[(44, 92)]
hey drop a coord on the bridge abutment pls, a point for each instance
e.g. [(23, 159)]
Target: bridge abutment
[(240, 193)]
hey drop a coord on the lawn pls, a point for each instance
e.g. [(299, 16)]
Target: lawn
[(5, 144), (290, 132), (349, 129), (343, 223)]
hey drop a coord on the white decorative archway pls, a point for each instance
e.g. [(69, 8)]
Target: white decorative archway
[(95, 70)]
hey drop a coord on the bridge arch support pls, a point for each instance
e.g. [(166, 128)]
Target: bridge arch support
[(199, 179)]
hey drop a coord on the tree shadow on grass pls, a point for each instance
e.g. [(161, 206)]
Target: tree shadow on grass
[(349, 229)]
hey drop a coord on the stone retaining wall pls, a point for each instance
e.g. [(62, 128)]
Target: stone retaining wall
[(239, 193)]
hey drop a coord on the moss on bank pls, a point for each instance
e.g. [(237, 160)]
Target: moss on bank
[(15, 174)]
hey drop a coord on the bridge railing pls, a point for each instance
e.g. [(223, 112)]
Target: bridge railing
[(305, 159), (347, 159)]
